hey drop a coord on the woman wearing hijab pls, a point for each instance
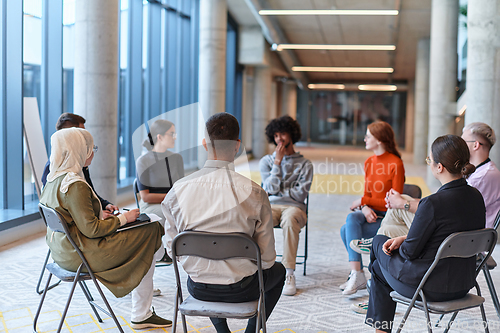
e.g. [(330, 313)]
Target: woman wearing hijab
[(122, 261)]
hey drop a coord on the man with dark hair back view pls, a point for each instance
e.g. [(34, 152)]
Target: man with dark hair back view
[(68, 120), (217, 199), (287, 177)]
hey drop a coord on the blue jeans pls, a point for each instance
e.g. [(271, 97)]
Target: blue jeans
[(356, 227)]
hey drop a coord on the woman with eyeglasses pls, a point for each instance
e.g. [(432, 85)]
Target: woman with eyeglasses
[(400, 263), (383, 170), (158, 169), (122, 261)]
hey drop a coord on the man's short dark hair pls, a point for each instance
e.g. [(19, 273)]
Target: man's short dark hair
[(67, 120), (285, 124), (223, 126)]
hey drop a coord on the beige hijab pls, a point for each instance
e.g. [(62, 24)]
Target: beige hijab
[(71, 147)]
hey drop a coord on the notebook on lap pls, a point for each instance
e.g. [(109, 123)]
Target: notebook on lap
[(143, 219)]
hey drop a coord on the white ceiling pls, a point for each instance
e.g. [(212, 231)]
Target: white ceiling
[(403, 30)]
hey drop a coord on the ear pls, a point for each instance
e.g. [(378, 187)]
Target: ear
[(204, 143), (238, 145), (439, 167)]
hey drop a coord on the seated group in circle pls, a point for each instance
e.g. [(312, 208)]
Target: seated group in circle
[(124, 262), (410, 230)]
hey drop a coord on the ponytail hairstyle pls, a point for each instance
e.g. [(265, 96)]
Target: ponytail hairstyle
[(160, 126), (383, 132), (452, 152)]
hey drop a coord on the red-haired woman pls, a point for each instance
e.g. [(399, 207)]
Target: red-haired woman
[(383, 171)]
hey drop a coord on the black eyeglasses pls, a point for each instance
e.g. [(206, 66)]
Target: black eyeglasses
[(474, 141), (428, 160), (95, 148)]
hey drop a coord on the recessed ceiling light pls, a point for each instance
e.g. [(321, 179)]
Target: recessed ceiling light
[(327, 12), (280, 47), (326, 86), (343, 69), (377, 87)]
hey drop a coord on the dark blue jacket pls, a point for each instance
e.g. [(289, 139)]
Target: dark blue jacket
[(455, 207)]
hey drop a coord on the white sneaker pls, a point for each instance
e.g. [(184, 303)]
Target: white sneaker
[(361, 246), (156, 292), (357, 281), (360, 307), (343, 285), (289, 289)]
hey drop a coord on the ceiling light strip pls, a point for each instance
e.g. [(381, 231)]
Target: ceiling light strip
[(362, 12), (280, 47), (327, 86), (377, 87), (343, 69)]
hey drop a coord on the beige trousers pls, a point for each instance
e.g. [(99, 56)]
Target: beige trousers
[(397, 222), (291, 219)]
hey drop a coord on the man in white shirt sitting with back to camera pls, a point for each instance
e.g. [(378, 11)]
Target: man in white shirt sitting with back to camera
[(217, 199)]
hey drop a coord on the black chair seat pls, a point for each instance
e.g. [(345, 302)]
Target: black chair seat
[(469, 301), (194, 307), (65, 275)]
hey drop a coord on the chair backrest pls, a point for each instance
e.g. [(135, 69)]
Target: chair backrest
[(136, 192), (464, 245), (497, 221), (215, 246), (55, 222), (413, 191), (52, 218)]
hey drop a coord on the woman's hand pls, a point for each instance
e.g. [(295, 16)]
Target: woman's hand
[(132, 215), (393, 244), (369, 214), (355, 204), (394, 200)]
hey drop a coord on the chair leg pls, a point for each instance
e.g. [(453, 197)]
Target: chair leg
[(305, 250), (491, 287), (39, 310), (39, 292), (427, 317), (111, 313), (176, 309), (485, 322), (69, 299), (403, 321), (90, 299), (452, 319), (439, 320)]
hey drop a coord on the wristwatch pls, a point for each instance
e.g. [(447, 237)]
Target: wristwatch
[(407, 206)]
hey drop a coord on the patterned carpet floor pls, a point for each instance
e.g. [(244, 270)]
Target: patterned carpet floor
[(318, 306)]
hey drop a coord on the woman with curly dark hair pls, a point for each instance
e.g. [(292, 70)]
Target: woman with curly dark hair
[(383, 171), (286, 177)]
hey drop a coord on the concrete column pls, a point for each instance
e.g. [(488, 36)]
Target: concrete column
[(247, 107), (96, 85), (443, 70), (289, 99), (261, 109), (483, 66), (421, 124), (410, 116), (212, 63)]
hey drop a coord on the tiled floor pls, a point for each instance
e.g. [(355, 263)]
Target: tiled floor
[(317, 307)]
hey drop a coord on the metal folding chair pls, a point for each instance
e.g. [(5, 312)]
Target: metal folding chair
[(57, 224), (215, 246), (413, 191), (488, 266), (38, 291), (459, 245)]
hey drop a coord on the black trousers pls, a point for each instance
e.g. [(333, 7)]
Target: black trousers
[(381, 307), (243, 291)]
